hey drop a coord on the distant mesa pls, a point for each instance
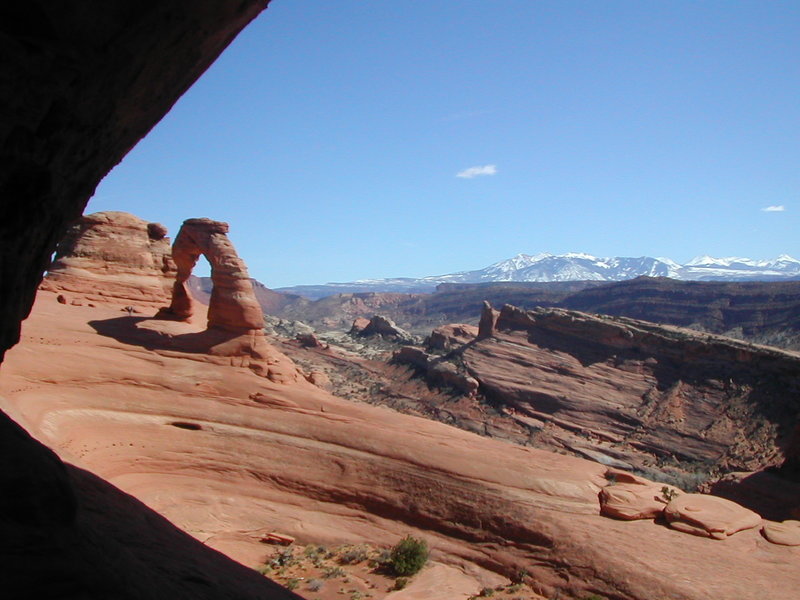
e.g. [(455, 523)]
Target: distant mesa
[(113, 257)]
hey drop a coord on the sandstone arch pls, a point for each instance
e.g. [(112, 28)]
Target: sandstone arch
[(233, 306)]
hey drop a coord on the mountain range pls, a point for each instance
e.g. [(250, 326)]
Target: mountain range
[(575, 267)]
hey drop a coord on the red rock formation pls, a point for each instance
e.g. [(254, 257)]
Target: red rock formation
[(231, 457), (114, 257), (630, 498), (235, 321), (233, 305), (640, 389), (448, 337), (359, 325), (488, 321), (386, 328), (786, 533), (709, 516)]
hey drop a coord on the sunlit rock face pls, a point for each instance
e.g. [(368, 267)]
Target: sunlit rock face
[(233, 305), (114, 257)]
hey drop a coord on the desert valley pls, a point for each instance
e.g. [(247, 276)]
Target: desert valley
[(617, 435)]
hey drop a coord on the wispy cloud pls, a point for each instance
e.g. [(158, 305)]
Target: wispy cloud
[(774, 208), (477, 171)]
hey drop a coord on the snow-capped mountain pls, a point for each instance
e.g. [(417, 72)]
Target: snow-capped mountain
[(578, 267)]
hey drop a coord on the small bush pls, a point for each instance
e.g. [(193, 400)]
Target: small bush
[(313, 551), (669, 494), (486, 592), (292, 584), (408, 556), (382, 559), (315, 585), (353, 556), (400, 583), (333, 572)]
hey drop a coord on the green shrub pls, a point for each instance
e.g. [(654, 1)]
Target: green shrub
[(408, 556)]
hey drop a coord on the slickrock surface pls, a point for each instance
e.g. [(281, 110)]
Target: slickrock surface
[(229, 456), (113, 257), (631, 389)]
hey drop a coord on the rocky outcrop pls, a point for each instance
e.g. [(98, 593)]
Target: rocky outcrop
[(232, 457), (387, 329), (631, 498), (440, 364), (450, 337), (359, 325), (765, 312), (709, 516), (235, 323), (786, 533), (639, 392), (233, 305), (114, 257), (488, 321)]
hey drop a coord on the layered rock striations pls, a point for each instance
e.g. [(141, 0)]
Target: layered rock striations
[(624, 390), (113, 257)]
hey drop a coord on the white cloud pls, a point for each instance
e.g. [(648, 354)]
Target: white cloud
[(774, 208), (476, 171)]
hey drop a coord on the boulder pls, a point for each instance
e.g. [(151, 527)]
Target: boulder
[(631, 501), (413, 356), (786, 533), (449, 337), (309, 340), (709, 516)]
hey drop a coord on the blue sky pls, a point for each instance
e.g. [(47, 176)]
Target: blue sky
[(331, 136)]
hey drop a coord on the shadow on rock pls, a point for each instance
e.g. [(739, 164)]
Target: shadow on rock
[(127, 331)]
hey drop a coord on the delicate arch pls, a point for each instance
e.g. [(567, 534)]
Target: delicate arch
[(233, 305)]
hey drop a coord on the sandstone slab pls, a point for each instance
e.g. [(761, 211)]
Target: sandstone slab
[(709, 516)]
